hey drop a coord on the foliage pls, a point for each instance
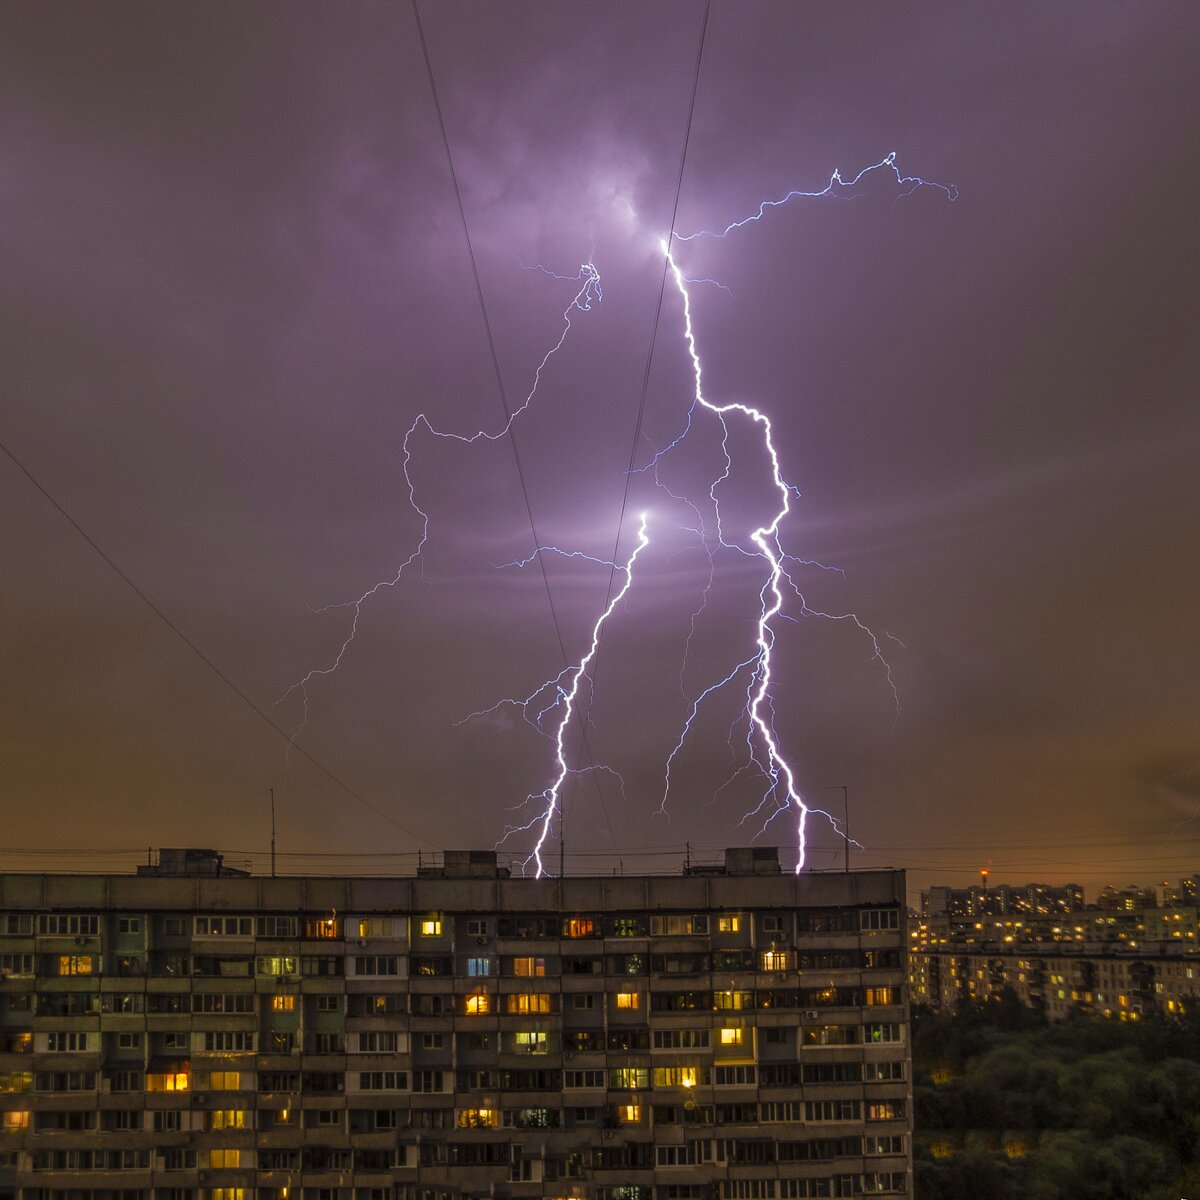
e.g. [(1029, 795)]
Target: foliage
[(1009, 1106)]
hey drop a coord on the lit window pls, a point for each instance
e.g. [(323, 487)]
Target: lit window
[(283, 1003), (322, 928), (477, 1118), (76, 964), (228, 1118), (168, 1081), (529, 967), (225, 1081), (527, 1041), (478, 1003), (685, 1077), (777, 960), (733, 1000), (629, 1077), (431, 926), (882, 995), (232, 1193), (733, 1037), (629, 1114), (479, 966), (579, 927), (224, 1158), (16, 1120), (729, 924), (628, 999), (529, 1002)]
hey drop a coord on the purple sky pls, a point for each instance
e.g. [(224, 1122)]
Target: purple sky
[(234, 273)]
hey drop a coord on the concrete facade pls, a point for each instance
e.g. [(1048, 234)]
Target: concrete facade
[(722, 1035)]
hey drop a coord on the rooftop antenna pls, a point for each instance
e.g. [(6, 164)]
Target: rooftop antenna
[(845, 790)]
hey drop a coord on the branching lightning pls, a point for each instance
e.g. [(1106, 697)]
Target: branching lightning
[(837, 187), (551, 706), (590, 292), (765, 755), (550, 798)]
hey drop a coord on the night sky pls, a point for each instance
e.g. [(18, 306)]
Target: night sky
[(234, 273)]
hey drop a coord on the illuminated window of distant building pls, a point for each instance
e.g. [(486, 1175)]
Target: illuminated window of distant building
[(283, 1003), (278, 965), (529, 1002), (15, 1120), (628, 999), (225, 1081), (431, 926), (629, 1114), (529, 966), (731, 923), (478, 1004), (168, 1081), (629, 1077), (228, 1118), (685, 1077), (76, 964), (322, 928), (477, 1118), (530, 1041), (732, 1037), (479, 966), (882, 995), (776, 960), (733, 1001), (233, 1193), (579, 927)]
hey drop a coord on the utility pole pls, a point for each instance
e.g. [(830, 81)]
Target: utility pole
[(841, 787), (272, 833)]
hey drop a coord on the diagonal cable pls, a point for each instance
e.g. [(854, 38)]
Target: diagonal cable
[(512, 437), (204, 658), (641, 412)]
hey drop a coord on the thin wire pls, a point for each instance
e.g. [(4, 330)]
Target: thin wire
[(512, 436), (662, 288), (208, 662)]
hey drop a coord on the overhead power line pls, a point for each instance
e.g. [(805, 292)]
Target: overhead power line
[(203, 657)]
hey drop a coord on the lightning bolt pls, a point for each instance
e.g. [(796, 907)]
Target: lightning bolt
[(838, 188), (765, 754), (589, 292), (567, 695), (550, 707)]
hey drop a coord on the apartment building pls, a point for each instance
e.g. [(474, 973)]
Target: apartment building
[(1060, 980), (730, 1033)]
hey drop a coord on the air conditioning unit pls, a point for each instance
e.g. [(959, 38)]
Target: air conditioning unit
[(811, 1014), (361, 943), (481, 941)]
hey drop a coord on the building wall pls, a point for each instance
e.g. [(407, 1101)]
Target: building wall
[(653, 1038)]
